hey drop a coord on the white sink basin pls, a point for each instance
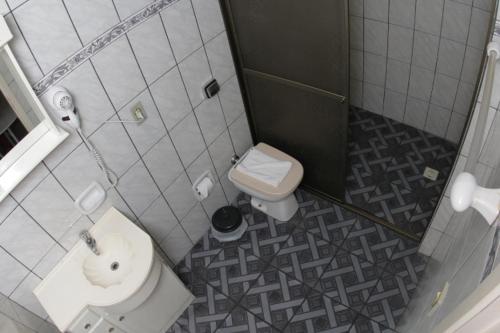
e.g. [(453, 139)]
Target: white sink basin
[(119, 279), (112, 265)]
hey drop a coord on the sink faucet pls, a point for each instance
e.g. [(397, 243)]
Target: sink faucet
[(90, 241)]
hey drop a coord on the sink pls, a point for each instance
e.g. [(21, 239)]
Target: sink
[(112, 265), (117, 280)]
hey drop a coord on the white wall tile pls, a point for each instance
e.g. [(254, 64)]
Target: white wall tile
[(444, 91), (148, 132), (220, 58), (126, 8), (92, 18), (394, 105), (82, 162), (7, 206), (163, 163), (425, 50), (195, 72), (216, 200), (152, 49), (420, 83), (138, 188), (402, 12), (229, 189), (119, 72), (356, 64), (221, 151), (356, 7), (199, 166), (196, 223), (180, 196), (437, 120), (472, 64), (231, 100), (211, 119), (209, 18), (11, 271), (171, 98), (374, 69), (377, 10), (187, 139), (451, 58), (49, 261), (416, 112), (23, 54), (240, 134), (113, 199), (400, 43), (182, 29), (72, 235), (51, 207), (375, 37), (398, 76), (373, 98), (429, 15), (356, 93), (43, 22), (158, 219), (114, 145), (177, 244), (456, 20), (456, 127), (356, 32), (33, 244), (24, 296)]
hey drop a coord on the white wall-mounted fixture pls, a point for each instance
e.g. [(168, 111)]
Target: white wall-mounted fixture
[(203, 185), (466, 193), (43, 137)]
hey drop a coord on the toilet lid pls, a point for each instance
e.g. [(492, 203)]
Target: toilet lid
[(226, 219)]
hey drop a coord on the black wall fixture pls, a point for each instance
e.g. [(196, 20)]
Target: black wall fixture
[(292, 60)]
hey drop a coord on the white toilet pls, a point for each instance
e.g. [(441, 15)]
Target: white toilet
[(278, 201)]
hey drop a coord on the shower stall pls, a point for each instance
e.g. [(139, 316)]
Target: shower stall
[(372, 97)]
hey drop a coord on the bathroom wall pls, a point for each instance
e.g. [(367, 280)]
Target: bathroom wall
[(416, 61), (458, 243), (111, 54)]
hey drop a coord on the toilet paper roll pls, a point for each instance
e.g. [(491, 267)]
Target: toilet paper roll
[(204, 188)]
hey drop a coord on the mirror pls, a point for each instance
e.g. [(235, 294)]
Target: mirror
[(27, 134), (17, 118)]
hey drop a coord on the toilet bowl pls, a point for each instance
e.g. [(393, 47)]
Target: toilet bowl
[(278, 202)]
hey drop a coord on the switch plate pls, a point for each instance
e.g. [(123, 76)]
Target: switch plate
[(138, 113), (431, 173)]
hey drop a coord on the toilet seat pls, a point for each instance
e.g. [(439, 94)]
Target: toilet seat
[(266, 191)]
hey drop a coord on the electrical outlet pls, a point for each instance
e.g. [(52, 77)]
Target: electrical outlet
[(138, 113), (431, 174)]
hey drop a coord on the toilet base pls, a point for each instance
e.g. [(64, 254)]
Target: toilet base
[(282, 210)]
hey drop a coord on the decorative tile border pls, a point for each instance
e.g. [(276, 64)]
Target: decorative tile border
[(98, 44)]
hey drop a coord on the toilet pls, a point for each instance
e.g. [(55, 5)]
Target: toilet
[(278, 201)]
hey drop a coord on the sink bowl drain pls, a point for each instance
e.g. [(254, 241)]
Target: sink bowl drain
[(114, 266)]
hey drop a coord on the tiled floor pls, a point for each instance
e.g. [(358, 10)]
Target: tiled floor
[(387, 160), (326, 270)]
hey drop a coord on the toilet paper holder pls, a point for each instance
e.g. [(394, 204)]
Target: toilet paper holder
[(203, 185)]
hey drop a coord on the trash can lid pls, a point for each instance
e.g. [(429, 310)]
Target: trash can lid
[(226, 219)]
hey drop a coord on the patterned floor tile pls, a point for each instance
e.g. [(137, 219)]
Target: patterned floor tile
[(232, 271), (304, 256), (388, 300), (319, 313), (371, 241), (393, 203), (332, 223), (349, 280), (206, 313), (275, 297), (406, 261), (242, 320), (365, 325)]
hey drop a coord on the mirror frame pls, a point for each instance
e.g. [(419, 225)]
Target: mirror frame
[(40, 140)]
